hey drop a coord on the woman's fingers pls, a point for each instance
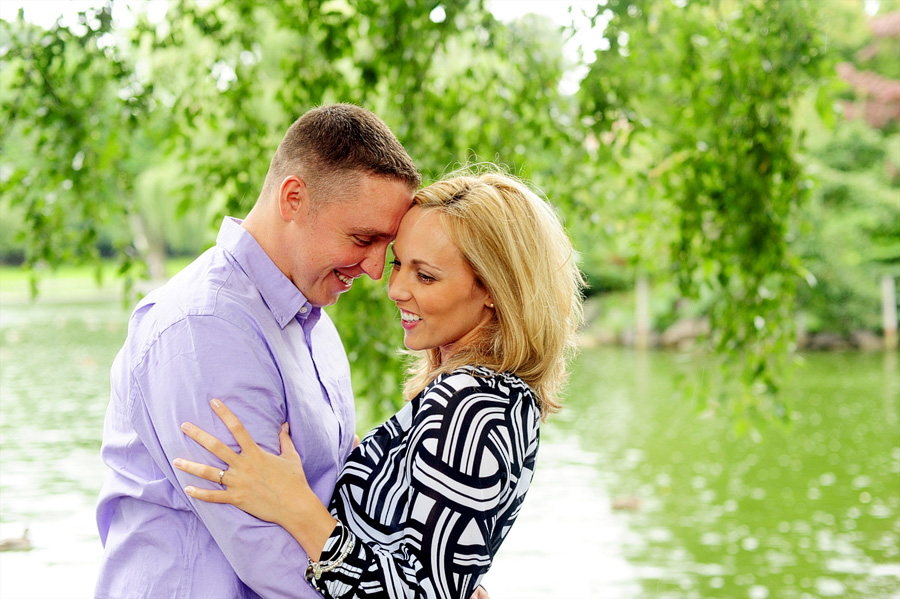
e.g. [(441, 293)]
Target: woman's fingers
[(208, 495), (210, 443), (287, 446), (207, 472), (210, 473), (480, 593), (234, 425)]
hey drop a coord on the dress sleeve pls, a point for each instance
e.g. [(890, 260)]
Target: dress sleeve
[(459, 474)]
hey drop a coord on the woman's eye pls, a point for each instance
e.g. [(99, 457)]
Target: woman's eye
[(395, 264), (426, 278)]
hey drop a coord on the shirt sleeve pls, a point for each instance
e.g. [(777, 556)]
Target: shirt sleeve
[(460, 473), (193, 361)]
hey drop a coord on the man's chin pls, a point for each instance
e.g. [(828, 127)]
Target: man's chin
[(330, 300), (326, 296)]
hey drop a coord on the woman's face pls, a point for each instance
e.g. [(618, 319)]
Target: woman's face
[(441, 304)]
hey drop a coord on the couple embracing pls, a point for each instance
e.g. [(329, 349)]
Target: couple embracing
[(230, 434)]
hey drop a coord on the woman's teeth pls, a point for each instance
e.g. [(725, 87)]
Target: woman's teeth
[(409, 317)]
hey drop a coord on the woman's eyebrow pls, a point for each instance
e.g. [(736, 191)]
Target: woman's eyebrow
[(415, 261), (419, 262)]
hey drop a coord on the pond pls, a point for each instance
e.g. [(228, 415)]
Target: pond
[(637, 495)]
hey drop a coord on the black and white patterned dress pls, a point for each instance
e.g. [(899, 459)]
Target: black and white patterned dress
[(431, 494)]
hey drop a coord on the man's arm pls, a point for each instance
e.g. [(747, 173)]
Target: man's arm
[(194, 361)]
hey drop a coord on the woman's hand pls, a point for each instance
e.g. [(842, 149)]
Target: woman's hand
[(272, 488)]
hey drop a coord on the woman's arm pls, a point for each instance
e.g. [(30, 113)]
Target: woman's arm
[(271, 487), (460, 487)]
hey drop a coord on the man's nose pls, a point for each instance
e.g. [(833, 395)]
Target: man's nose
[(373, 263)]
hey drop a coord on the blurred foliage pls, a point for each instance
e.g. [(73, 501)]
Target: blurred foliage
[(880, 55), (849, 234), (678, 157), (59, 102)]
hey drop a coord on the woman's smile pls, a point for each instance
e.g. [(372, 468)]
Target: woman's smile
[(409, 320)]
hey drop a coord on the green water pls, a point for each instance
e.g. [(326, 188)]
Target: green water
[(807, 512)]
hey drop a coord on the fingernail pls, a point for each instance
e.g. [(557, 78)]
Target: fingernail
[(178, 463), (189, 490), (186, 427), (216, 403)]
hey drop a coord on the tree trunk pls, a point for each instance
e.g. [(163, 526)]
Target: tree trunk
[(151, 250), (889, 311), (642, 313)]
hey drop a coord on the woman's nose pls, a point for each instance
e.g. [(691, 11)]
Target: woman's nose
[(396, 289)]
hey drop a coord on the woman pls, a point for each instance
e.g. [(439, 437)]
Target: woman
[(489, 295)]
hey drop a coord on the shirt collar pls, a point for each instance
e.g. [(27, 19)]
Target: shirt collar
[(281, 296)]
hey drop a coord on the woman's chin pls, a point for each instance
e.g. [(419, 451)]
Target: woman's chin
[(412, 345)]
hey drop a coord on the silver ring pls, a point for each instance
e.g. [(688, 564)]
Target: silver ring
[(221, 474)]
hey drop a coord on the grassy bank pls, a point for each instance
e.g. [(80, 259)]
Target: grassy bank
[(71, 283)]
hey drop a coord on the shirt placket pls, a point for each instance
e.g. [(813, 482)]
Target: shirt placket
[(307, 322)]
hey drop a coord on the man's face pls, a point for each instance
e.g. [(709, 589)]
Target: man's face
[(347, 238)]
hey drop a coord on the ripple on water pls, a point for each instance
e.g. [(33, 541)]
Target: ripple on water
[(830, 587), (758, 591)]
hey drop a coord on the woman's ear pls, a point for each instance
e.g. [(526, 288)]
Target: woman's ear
[(293, 198)]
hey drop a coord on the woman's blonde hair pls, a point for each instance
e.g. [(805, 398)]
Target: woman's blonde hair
[(520, 253)]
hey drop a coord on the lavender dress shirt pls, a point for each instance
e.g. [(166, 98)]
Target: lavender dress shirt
[(229, 326)]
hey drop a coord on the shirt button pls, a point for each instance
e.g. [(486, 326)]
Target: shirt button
[(303, 310)]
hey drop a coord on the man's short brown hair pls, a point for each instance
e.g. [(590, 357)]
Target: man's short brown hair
[(330, 143)]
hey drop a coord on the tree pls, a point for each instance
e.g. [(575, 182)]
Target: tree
[(212, 88), (680, 138), (705, 91), (70, 98)]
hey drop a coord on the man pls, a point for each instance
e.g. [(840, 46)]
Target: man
[(244, 323)]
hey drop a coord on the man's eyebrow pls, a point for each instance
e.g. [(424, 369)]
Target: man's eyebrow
[(365, 232)]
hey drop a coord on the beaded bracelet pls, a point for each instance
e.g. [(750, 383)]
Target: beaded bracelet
[(314, 570)]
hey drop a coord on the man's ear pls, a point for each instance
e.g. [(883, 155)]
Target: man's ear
[(293, 198)]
